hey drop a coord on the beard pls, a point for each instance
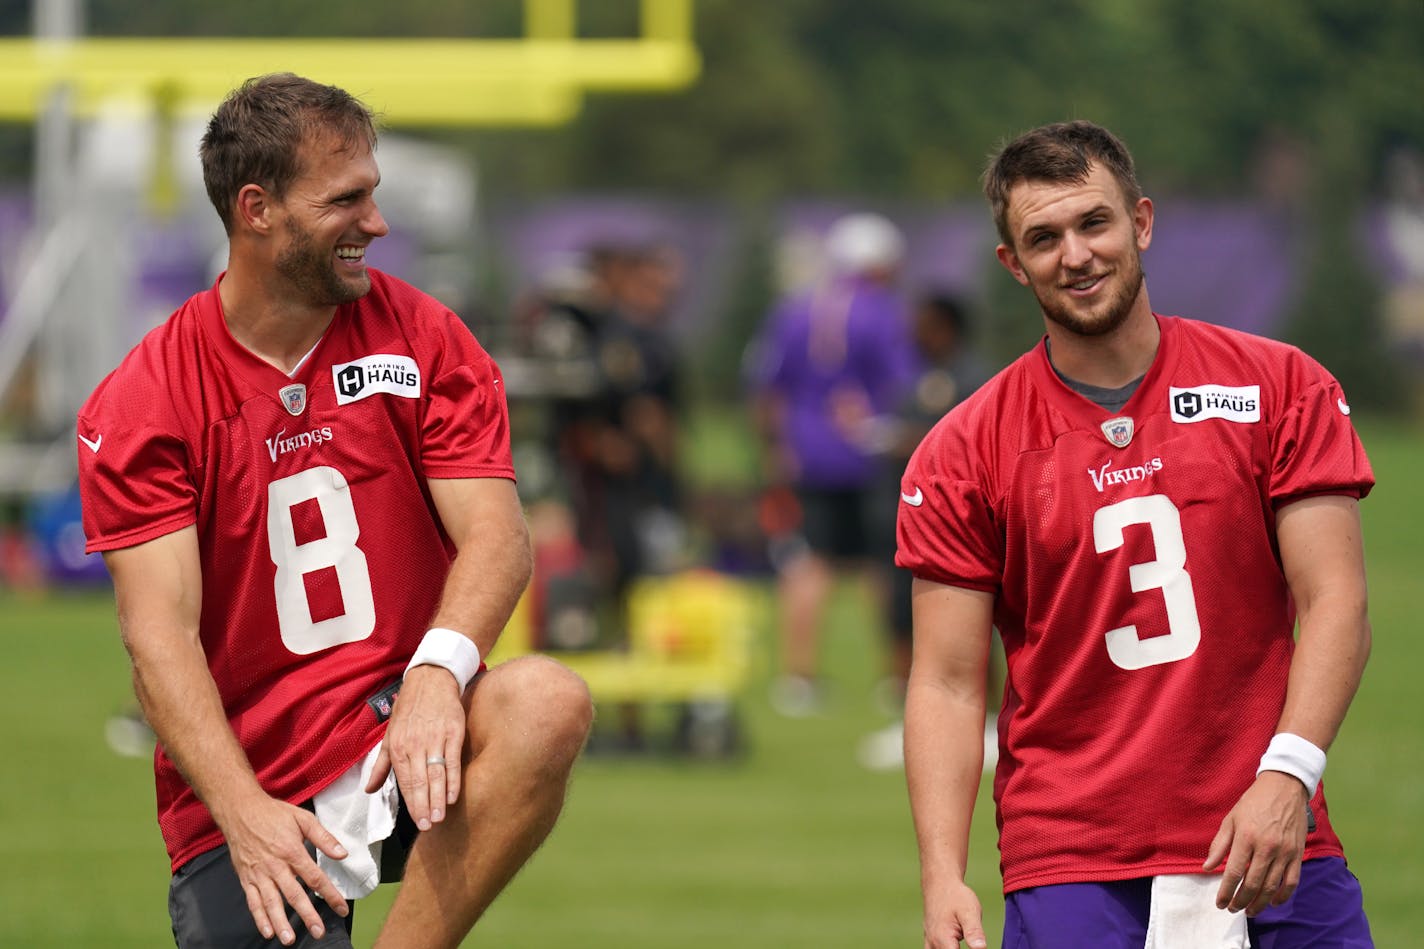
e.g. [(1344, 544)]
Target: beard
[(310, 270), (1108, 316)]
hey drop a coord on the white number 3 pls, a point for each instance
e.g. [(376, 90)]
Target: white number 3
[(1167, 573), (337, 550)]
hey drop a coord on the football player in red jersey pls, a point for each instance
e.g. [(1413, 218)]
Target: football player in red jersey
[(1147, 508), (301, 484)]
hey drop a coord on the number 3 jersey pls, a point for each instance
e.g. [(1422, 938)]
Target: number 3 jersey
[(1139, 593), (322, 555)]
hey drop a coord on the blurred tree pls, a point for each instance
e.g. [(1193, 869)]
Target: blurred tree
[(904, 99), (759, 123), (1346, 79), (280, 18), (1338, 315)]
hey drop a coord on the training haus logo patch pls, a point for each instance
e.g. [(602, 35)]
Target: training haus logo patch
[(1232, 403), (391, 374)]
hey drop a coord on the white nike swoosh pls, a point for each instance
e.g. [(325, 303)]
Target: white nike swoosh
[(92, 446), (914, 500), (1344, 409)]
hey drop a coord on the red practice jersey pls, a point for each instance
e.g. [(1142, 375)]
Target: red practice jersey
[(322, 554), (1146, 621)]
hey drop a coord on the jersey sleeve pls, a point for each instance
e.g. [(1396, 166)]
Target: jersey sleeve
[(466, 427), (946, 530), (136, 486), (1315, 449)]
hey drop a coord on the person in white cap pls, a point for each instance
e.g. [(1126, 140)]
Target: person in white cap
[(865, 244), (828, 373)]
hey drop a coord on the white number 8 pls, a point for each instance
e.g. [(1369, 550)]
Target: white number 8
[(338, 550), (1167, 573)]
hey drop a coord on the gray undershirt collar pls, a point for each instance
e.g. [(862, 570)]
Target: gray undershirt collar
[(1111, 400)]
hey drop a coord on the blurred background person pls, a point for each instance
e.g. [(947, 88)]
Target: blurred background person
[(559, 329), (947, 369), (612, 424), (1403, 226), (616, 510), (641, 499), (827, 374)]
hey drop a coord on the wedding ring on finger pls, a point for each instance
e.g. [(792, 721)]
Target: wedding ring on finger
[(434, 760)]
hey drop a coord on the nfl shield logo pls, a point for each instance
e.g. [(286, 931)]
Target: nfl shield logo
[(1118, 431), (294, 397)]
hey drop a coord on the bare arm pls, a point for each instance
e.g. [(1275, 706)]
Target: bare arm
[(768, 415), (944, 751), (484, 518), (1323, 558), (158, 588), (492, 566)]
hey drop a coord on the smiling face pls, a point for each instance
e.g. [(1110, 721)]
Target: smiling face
[(328, 217), (1078, 246)]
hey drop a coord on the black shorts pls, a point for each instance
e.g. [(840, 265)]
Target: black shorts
[(209, 908), (846, 523), (902, 614)]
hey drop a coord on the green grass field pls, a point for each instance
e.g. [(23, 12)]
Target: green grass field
[(792, 845)]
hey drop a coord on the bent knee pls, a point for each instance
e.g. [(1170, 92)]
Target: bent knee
[(539, 697)]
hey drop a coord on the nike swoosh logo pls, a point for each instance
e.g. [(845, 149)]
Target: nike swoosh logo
[(914, 500), (92, 446), (1344, 409)]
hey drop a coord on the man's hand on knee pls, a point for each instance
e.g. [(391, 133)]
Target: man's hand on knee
[(425, 739), (267, 845)]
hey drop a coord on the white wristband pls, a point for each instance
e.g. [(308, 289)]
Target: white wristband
[(1293, 755), (448, 650)]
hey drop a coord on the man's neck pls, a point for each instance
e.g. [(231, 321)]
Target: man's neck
[(1109, 361), (278, 334)]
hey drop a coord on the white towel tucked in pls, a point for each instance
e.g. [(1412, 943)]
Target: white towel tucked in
[(1184, 915), (361, 822)]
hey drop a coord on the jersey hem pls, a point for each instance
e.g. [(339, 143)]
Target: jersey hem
[(949, 581), (1114, 874), (1346, 491), (140, 535), (216, 838), (467, 471)]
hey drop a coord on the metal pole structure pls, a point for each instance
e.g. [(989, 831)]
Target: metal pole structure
[(55, 22), (80, 337)]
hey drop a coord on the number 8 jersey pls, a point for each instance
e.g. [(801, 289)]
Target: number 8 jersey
[(1146, 622), (322, 555)]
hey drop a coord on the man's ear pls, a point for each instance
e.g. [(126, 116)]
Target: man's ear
[(1142, 216), (1010, 260), (253, 209)]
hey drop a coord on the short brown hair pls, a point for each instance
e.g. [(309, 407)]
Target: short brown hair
[(1064, 153), (255, 136)]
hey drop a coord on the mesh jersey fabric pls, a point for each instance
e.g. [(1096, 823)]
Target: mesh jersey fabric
[(1119, 759), (321, 551)]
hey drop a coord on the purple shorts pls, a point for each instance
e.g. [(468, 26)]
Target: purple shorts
[(1325, 912)]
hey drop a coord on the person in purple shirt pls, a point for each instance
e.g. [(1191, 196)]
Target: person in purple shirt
[(828, 373)]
